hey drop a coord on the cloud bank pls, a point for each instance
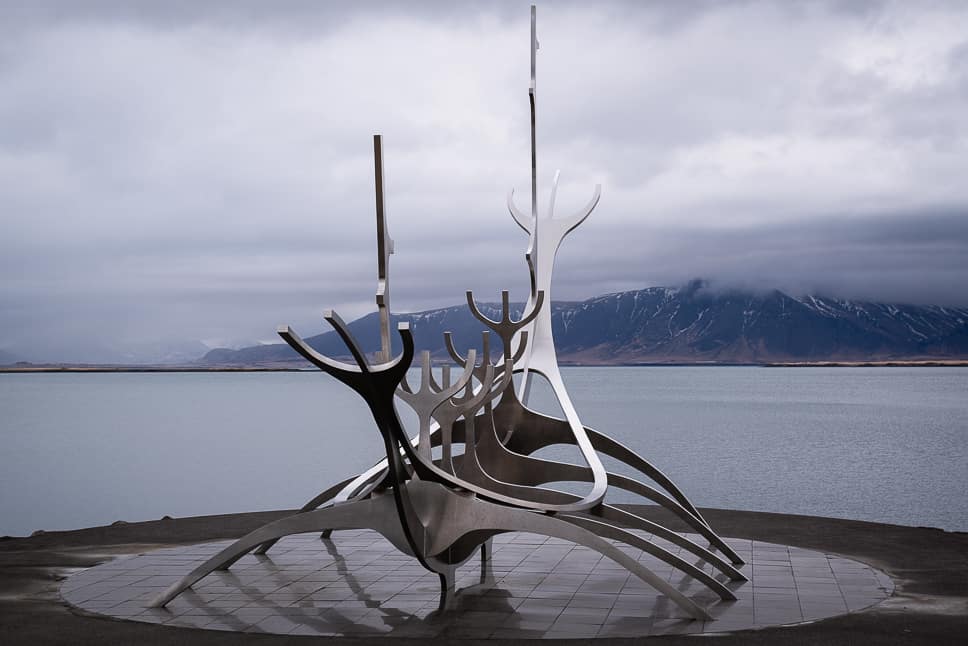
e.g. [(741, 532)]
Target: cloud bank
[(184, 172)]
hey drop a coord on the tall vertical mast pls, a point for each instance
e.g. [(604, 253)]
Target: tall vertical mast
[(532, 255), (545, 237), (384, 247), (531, 96)]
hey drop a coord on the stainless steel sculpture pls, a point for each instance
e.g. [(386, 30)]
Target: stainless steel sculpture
[(443, 511)]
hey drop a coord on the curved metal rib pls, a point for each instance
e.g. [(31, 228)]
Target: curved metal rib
[(377, 386), (428, 398), (479, 474), (467, 406), (572, 221), (619, 451), (470, 469), (390, 424), (315, 503), (469, 515), (431, 500), (510, 467), (325, 495), (634, 521), (545, 431), (634, 486), (610, 531), (427, 470), (574, 473), (375, 513), (506, 328), (514, 468), (461, 361), (526, 222), (321, 361), (522, 220), (507, 466)]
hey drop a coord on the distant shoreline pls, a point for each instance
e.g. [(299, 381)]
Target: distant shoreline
[(900, 363), (934, 363), (28, 369)]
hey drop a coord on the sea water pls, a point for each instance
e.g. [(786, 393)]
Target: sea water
[(880, 444)]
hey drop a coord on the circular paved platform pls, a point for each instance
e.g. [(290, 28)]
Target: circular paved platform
[(358, 584)]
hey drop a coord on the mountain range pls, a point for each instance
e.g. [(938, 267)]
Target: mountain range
[(689, 324)]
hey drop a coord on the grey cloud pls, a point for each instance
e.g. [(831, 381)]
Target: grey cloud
[(917, 258), (201, 171), (297, 13)]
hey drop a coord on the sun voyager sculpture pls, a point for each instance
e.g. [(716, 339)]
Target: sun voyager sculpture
[(444, 511)]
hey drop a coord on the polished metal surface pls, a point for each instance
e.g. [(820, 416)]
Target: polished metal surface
[(443, 508), (546, 235), (384, 247)]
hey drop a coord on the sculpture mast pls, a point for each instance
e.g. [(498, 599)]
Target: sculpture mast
[(384, 247), (545, 237), (531, 96), (532, 253)]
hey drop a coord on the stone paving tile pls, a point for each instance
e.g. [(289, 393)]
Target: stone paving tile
[(358, 585), (632, 627), (564, 630)]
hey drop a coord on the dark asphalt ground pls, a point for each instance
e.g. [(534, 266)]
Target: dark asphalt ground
[(929, 568)]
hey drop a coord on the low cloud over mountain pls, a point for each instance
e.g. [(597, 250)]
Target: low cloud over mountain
[(689, 324)]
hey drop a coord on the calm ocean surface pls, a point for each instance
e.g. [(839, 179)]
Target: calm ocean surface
[(882, 444)]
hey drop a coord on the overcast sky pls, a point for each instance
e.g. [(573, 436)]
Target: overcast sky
[(203, 171)]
